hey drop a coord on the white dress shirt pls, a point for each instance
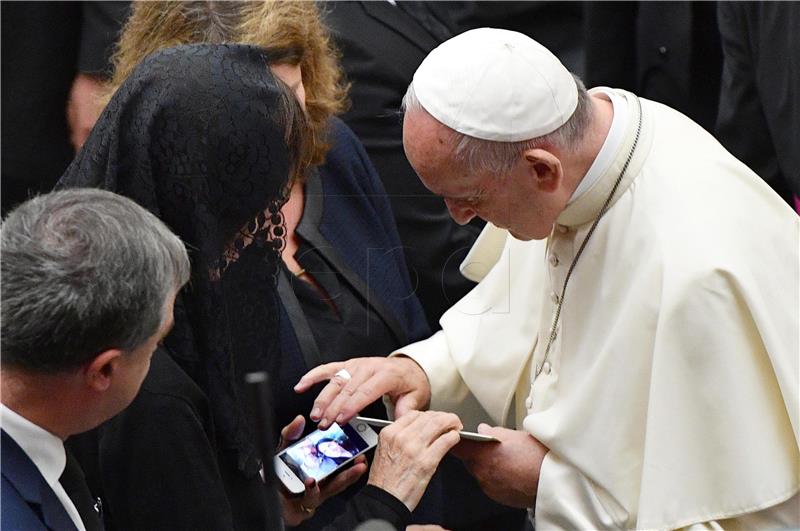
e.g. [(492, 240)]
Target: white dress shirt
[(47, 453)]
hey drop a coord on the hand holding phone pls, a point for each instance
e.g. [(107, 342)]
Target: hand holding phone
[(321, 453), (296, 508)]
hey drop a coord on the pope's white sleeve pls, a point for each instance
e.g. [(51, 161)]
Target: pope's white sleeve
[(566, 499), (783, 515)]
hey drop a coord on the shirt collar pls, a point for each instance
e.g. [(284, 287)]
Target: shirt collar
[(42, 447)]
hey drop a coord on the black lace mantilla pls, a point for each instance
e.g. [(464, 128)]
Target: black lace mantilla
[(197, 136)]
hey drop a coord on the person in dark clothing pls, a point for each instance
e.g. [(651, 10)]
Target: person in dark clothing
[(665, 51), (759, 107), (381, 46), (55, 54), (342, 285), (204, 136), (556, 25)]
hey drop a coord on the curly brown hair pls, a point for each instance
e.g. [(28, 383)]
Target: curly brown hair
[(290, 30)]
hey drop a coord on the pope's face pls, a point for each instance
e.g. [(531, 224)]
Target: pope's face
[(510, 201)]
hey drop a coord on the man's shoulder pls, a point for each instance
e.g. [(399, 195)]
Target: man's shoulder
[(15, 512), (21, 483)]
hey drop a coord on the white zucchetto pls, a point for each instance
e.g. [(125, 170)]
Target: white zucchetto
[(496, 85)]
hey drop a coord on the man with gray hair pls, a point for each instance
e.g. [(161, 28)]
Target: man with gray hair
[(636, 318), (88, 283)]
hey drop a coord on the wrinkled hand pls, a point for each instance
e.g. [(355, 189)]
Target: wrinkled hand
[(409, 451), (508, 471), (296, 510), (83, 108), (398, 377)]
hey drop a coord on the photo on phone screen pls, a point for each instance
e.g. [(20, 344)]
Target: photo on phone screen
[(322, 452)]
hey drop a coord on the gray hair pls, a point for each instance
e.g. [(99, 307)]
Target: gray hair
[(83, 270), (478, 155)]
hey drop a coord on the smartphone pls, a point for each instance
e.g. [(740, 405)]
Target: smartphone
[(468, 435), (323, 452)]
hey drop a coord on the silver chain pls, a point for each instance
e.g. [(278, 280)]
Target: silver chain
[(603, 210)]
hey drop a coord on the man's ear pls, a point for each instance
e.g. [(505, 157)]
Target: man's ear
[(545, 168), (100, 372)]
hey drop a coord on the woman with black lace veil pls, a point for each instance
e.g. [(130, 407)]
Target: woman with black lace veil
[(343, 287), (207, 139)]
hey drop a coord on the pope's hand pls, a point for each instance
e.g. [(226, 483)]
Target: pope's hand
[(398, 377), (409, 451), (296, 510), (508, 471)]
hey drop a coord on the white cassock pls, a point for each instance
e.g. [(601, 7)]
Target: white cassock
[(670, 395)]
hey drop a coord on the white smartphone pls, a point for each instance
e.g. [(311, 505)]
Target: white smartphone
[(323, 452), (468, 435)]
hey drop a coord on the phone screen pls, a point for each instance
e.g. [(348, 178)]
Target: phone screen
[(322, 452)]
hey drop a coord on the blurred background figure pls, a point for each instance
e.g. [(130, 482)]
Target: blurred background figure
[(668, 52), (556, 25), (55, 55), (381, 45), (759, 108)]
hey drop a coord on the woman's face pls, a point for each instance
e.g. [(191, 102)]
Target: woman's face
[(333, 449), (292, 75)]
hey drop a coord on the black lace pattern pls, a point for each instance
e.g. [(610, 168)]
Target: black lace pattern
[(197, 136)]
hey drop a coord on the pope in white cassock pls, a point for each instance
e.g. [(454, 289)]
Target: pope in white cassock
[(636, 322)]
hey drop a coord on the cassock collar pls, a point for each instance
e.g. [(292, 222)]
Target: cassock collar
[(585, 208)]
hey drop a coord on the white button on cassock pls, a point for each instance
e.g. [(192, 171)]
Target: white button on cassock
[(553, 259), (529, 402), (554, 298), (546, 367), (563, 229)]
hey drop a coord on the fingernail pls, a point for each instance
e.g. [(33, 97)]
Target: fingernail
[(315, 413), (339, 419)]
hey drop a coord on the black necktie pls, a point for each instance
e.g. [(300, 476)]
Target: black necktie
[(74, 483)]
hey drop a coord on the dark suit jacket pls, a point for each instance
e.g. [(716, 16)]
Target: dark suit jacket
[(28, 502), (556, 25), (665, 51), (382, 46), (759, 108), (45, 44)]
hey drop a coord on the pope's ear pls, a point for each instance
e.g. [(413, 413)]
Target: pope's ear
[(100, 371), (545, 168)]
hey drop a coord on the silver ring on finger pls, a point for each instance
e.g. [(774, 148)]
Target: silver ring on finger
[(343, 376)]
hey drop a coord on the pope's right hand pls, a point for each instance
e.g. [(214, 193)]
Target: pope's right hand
[(409, 451), (398, 377)]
